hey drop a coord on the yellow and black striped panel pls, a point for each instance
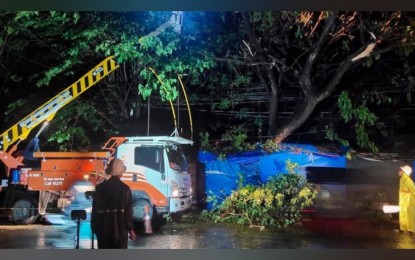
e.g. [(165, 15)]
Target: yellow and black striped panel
[(93, 76), (10, 135), (48, 110)]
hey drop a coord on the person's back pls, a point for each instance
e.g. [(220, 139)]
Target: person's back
[(112, 215)]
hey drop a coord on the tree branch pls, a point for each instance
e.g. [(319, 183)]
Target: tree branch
[(270, 73), (305, 80), (341, 70), (106, 118)]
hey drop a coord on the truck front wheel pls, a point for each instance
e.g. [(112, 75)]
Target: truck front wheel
[(139, 209), (24, 212)]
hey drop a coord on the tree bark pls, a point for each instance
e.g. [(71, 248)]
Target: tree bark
[(268, 69), (312, 95), (300, 115)]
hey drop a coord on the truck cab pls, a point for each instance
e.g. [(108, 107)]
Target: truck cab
[(157, 174)]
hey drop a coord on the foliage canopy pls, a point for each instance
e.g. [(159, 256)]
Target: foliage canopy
[(270, 74)]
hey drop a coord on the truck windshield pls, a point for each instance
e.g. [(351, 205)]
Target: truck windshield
[(149, 156), (176, 158)]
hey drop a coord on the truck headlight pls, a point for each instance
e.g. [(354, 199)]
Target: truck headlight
[(174, 189)]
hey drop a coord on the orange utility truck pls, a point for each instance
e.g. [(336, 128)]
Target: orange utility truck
[(41, 183), (36, 183)]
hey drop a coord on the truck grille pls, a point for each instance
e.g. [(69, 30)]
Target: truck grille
[(184, 192)]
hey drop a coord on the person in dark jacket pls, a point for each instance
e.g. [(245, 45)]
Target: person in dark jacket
[(112, 212)]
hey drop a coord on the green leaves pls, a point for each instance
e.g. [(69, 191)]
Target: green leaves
[(225, 66), (361, 117), (233, 140), (76, 17), (204, 140), (277, 203), (10, 30), (345, 105), (60, 137), (333, 136), (126, 51), (25, 15), (363, 114), (55, 48)]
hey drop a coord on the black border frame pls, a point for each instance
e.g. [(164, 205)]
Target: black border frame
[(206, 5)]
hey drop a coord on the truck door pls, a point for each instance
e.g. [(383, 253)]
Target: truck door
[(151, 160)]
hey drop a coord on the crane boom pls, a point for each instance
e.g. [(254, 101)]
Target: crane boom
[(47, 111)]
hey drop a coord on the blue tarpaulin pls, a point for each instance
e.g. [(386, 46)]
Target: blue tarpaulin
[(222, 176)]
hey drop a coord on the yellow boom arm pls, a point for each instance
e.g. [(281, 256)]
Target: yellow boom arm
[(47, 111)]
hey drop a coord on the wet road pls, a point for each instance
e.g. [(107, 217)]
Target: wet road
[(192, 233)]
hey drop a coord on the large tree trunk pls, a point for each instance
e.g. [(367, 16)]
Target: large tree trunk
[(312, 94), (303, 111), (300, 115), (269, 81)]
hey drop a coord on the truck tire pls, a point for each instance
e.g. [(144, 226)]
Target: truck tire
[(24, 212), (139, 209)]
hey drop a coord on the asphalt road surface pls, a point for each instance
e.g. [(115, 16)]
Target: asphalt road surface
[(192, 233)]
